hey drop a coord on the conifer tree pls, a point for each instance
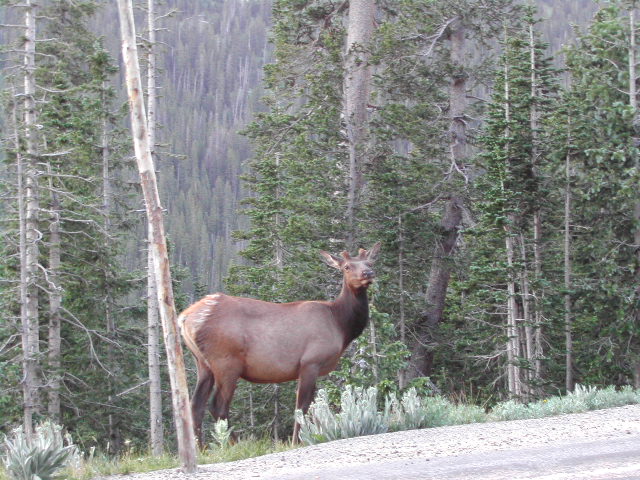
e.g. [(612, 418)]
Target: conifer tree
[(603, 124), (514, 160)]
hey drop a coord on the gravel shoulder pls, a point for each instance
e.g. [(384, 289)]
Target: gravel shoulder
[(622, 422)]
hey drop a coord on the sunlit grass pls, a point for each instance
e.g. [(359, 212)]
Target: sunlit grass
[(100, 466)]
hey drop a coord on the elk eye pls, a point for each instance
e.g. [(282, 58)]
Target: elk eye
[(347, 267)]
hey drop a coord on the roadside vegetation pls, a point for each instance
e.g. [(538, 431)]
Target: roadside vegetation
[(52, 453), (359, 413)]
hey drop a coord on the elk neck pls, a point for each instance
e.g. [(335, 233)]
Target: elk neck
[(351, 312)]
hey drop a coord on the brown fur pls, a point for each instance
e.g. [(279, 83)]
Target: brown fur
[(263, 342)]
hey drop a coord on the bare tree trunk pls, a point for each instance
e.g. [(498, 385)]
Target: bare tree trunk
[(633, 102), (527, 321), (156, 433), (276, 413), (115, 439), (537, 295), (402, 374), (458, 95), (175, 359), (30, 320), (55, 302), (568, 283), (357, 89), (513, 337)]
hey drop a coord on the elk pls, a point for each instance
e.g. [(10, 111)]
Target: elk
[(262, 342)]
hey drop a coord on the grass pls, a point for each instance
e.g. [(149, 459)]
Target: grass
[(136, 462), (133, 462)]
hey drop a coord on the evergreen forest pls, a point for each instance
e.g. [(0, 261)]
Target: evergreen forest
[(490, 146)]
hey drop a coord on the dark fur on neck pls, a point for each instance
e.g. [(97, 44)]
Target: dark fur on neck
[(351, 311)]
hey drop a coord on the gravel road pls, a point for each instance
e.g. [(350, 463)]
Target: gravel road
[(619, 424)]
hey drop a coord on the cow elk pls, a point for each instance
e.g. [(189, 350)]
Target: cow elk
[(263, 342)]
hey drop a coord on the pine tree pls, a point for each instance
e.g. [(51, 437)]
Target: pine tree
[(604, 157), (507, 270)]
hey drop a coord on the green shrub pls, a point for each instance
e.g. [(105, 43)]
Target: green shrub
[(358, 416), (221, 433), (582, 399), (41, 457), (413, 412)]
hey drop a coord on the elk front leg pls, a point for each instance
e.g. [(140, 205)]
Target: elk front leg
[(304, 395)]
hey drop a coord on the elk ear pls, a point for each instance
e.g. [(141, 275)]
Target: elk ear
[(332, 260), (373, 253)]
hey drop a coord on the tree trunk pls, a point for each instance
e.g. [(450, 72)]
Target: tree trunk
[(357, 90), (55, 302), (175, 360), (633, 103), (402, 373), (537, 294), (528, 346), (421, 364), (513, 337), (276, 413), (30, 320), (568, 283), (156, 434)]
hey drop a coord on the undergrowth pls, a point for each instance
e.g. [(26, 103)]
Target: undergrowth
[(358, 414)]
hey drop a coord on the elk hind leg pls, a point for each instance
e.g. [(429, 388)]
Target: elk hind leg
[(201, 394)]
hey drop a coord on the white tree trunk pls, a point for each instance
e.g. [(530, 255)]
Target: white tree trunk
[(55, 302), (30, 326), (513, 338), (538, 296), (568, 283), (357, 91), (156, 434), (633, 102), (175, 359)]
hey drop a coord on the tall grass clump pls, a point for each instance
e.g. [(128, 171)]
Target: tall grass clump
[(40, 458), (358, 416)]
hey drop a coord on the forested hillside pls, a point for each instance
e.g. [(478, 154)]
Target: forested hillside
[(488, 145)]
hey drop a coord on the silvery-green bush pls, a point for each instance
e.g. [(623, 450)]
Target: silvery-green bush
[(41, 457), (222, 433), (358, 416), (359, 413), (582, 399), (413, 411)]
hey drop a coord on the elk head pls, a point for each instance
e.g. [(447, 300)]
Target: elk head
[(357, 271)]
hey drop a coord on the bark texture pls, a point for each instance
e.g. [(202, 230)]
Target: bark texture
[(30, 319), (424, 341), (156, 434), (425, 336), (357, 91), (175, 359)]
